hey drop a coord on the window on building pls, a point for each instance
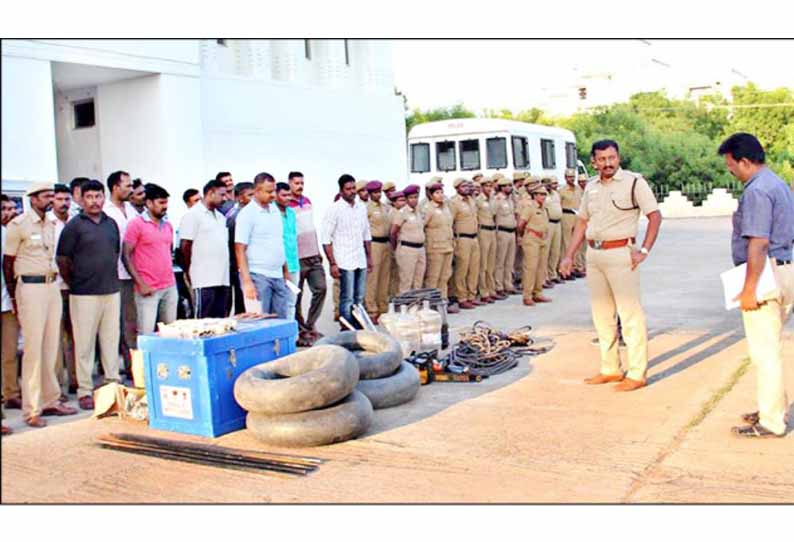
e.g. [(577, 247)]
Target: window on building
[(84, 114), (307, 49), (469, 154), (497, 152), (570, 155), (547, 154), (347, 52), (221, 42), (520, 152), (420, 157), (445, 156)]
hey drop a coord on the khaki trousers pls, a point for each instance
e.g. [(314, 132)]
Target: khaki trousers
[(92, 315), (518, 262), (39, 316), (394, 277), (66, 347), (439, 270), (764, 328), (568, 224), (376, 300), (580, 258), (411, 263), (505, 260), (487, 240), (9, 352), (555, 242), (615, 288), (336, 293), (467, 268), (533, 273)]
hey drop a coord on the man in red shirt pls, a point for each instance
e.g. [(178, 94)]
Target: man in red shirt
[(148, 244)]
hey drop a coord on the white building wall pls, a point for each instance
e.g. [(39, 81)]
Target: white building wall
[(78, 148), (28, 121)]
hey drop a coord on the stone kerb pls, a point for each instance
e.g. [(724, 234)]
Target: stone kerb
[(719, 203), (676, 205)]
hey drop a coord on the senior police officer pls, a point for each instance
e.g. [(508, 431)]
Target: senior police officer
[(467, 249), (608, 218), (763, 234), (440, 243), (554, 210), (379, 216), (487, 239), (29, 271), (533, 227), (505, 219), (570, 199), (408, 241)]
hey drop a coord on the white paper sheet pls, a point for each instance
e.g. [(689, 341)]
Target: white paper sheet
[(733, 283), (293, 287), (252, 305)]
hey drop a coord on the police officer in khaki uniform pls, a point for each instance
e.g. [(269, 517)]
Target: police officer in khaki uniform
[(580, 262), (533, 227), (505, 220), (30, 273), (467, 249), (361, 190), (487, 238), (389, 188), (570, 199), (428, 185), (520, 197), (397, 203), (408, 241), (608, 218), (440, 243), (379, 215), (554, 210)]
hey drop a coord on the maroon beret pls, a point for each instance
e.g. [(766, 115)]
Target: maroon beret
[(411, 189), (374, 186), (396, 195)]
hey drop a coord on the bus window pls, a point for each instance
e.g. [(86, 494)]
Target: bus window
[(445, 156), (547, 153), (420, 157), (520, 154), (570, 155), (469, 154), (497, 152)]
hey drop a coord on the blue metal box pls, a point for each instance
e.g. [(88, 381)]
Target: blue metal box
[(190, 382)]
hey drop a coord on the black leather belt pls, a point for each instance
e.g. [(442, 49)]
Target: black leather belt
[(468, 235), (488, 228), (569, 211), (554, 221), (507, 230), (412, 245), (37, 279), (380, 239)]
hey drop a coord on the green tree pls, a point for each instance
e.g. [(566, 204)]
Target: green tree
[(417, 116)]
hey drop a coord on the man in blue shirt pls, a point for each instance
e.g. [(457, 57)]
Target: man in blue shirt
[(763, 230), (259, 247)]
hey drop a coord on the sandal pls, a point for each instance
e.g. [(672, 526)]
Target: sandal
[(751, 417), (35, 421), (755, 430)]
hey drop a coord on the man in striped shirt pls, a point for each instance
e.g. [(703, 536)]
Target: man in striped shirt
[(346, 241)]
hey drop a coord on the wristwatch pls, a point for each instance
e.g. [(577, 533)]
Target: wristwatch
[(644, 251)]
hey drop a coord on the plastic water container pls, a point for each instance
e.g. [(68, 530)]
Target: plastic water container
[(430, 326), (389, 320), (408, 331)]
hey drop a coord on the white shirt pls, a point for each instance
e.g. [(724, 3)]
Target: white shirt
[(7, 306), (209, 262), (345, 228), (121, 221)]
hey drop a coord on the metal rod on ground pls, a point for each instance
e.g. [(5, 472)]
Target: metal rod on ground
[(347, 324), (372, 325), (357, 315)]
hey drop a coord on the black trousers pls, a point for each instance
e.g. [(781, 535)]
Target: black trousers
[(211, 302)]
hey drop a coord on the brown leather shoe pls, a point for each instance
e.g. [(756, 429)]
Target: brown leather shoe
[(548, 285), (558, 280), (60, 410), (603, 379), (514, 292), (500, 296), (86, 402), (541, 299), (13, 403), (467, 305), (36, 421), (630, 385), (529, 303)]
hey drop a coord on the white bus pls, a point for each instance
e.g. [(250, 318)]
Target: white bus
[(460, 147)]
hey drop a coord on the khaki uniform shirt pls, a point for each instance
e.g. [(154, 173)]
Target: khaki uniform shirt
[(438, 228), (505, 211), (571, 197), (485, 210), (411, 223), (464, 214), (605, 221), (536, 217), (31, 239), (379, 219), (553, 205)]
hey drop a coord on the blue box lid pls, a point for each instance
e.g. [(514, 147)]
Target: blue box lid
[(247, 334)]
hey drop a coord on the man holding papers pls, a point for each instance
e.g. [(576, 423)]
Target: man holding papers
[(763, 229)]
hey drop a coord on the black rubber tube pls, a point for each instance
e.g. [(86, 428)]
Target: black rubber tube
[(345, 420), (394, 390), (313, 378), (378, 354)]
